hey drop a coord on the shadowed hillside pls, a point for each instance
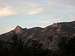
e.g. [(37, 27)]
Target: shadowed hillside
[(54, 40)]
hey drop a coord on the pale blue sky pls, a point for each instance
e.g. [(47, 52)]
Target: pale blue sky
[(34, 13)]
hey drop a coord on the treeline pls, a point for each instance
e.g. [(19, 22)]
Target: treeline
[(17, 47)]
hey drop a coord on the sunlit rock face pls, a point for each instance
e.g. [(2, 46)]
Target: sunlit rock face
[(18, 30), (46, 38)]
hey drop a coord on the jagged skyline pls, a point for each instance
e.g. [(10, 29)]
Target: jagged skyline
[(33, 13)]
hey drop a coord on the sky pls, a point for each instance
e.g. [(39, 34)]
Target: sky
[(34, 13)]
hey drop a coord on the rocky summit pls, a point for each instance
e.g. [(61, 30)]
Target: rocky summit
[(54, 40)]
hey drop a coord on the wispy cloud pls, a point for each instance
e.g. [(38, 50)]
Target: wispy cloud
[(22, 7), (61, 7), (35, 11), (7, 11), (30, 9)]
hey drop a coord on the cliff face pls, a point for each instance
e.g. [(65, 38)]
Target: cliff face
[(46, 38)]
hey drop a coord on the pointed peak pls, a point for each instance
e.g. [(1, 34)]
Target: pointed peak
[(18, 29)]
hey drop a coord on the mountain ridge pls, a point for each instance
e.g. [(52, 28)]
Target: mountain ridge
[(40, 33), (46, 38)]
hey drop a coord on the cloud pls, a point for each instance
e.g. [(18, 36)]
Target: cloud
[(7, 11), (22, 7), (61, 7), (30, 9), (62, 2), (65, 9), (35, 11)]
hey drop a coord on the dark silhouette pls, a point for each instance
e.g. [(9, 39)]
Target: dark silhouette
[(54, 40)]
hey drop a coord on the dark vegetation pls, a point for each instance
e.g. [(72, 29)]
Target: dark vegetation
[(54, 40), (17, 48)]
